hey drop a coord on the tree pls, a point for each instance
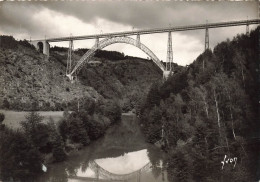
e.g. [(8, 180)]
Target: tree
[(36, 131), (95, 129), (63, 129), (58, 149), (56, 141), (21, 160), (153, 97), (152, 127), (76, 130), (211, 116), (113, 111), (89, 106), (6, 104), (8, 42), (2, 118), (65, 113)]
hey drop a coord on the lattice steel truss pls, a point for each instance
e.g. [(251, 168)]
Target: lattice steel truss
[(247, 29), (138, 42), (97, 42), (69, 59), (112, 40), (169, 58), (207, 39)]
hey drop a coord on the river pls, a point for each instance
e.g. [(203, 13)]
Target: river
[(121, 155)]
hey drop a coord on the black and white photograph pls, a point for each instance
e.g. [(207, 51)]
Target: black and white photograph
[(129, 91)]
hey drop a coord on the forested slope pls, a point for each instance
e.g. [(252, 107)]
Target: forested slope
[(209, 110), (29, 80)]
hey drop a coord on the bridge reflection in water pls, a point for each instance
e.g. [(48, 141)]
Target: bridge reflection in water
[(102, 174), (121, 155), (96, 172)]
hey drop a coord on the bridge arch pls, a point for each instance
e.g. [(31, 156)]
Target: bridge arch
[(40, 47), (106, 42)]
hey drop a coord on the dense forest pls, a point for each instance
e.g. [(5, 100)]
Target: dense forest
[(209, 114)]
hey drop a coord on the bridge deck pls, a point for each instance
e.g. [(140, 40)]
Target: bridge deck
[(85, 179), (158, 30)]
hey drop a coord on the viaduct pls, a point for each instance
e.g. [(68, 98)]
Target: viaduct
[(106, 39)]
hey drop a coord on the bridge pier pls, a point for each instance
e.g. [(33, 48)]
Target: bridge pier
[(207, 39), (42, 46), (247, 29), (166, 74), (97, 42), (69, 59), (138, 42), (169, 58)]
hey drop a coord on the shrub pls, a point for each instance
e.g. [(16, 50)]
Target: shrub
[(25, 43), (6, 104), (58, 149), (95, 129), (113, 111), (36, 131), (63, 128), (8, 42), (76, 130), (2, 117), (18, 156)]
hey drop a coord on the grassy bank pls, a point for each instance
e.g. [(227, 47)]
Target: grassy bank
[(13, 118)]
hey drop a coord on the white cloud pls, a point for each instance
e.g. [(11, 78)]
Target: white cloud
[(47, 20), (63, 25)]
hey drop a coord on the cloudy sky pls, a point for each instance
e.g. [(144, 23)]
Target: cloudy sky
[(35, 20)]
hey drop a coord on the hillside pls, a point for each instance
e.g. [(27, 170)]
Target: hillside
[(31, 81), (115, 76), (208, 111)]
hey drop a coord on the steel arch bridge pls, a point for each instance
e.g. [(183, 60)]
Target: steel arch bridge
[(121, 37), (113, 40)]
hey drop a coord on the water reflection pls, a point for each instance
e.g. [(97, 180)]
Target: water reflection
[(121, 155), (127, 167)]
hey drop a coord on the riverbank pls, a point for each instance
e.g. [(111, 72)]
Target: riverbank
[(13, 118), (121, 151), (122, 145)]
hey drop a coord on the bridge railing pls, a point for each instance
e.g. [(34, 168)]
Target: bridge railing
[(158, 30)]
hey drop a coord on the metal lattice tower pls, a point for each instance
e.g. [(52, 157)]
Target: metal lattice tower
[(138, 43), (97, 42), (169, 58), (207, 37), (247, 27), (69, 60)]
